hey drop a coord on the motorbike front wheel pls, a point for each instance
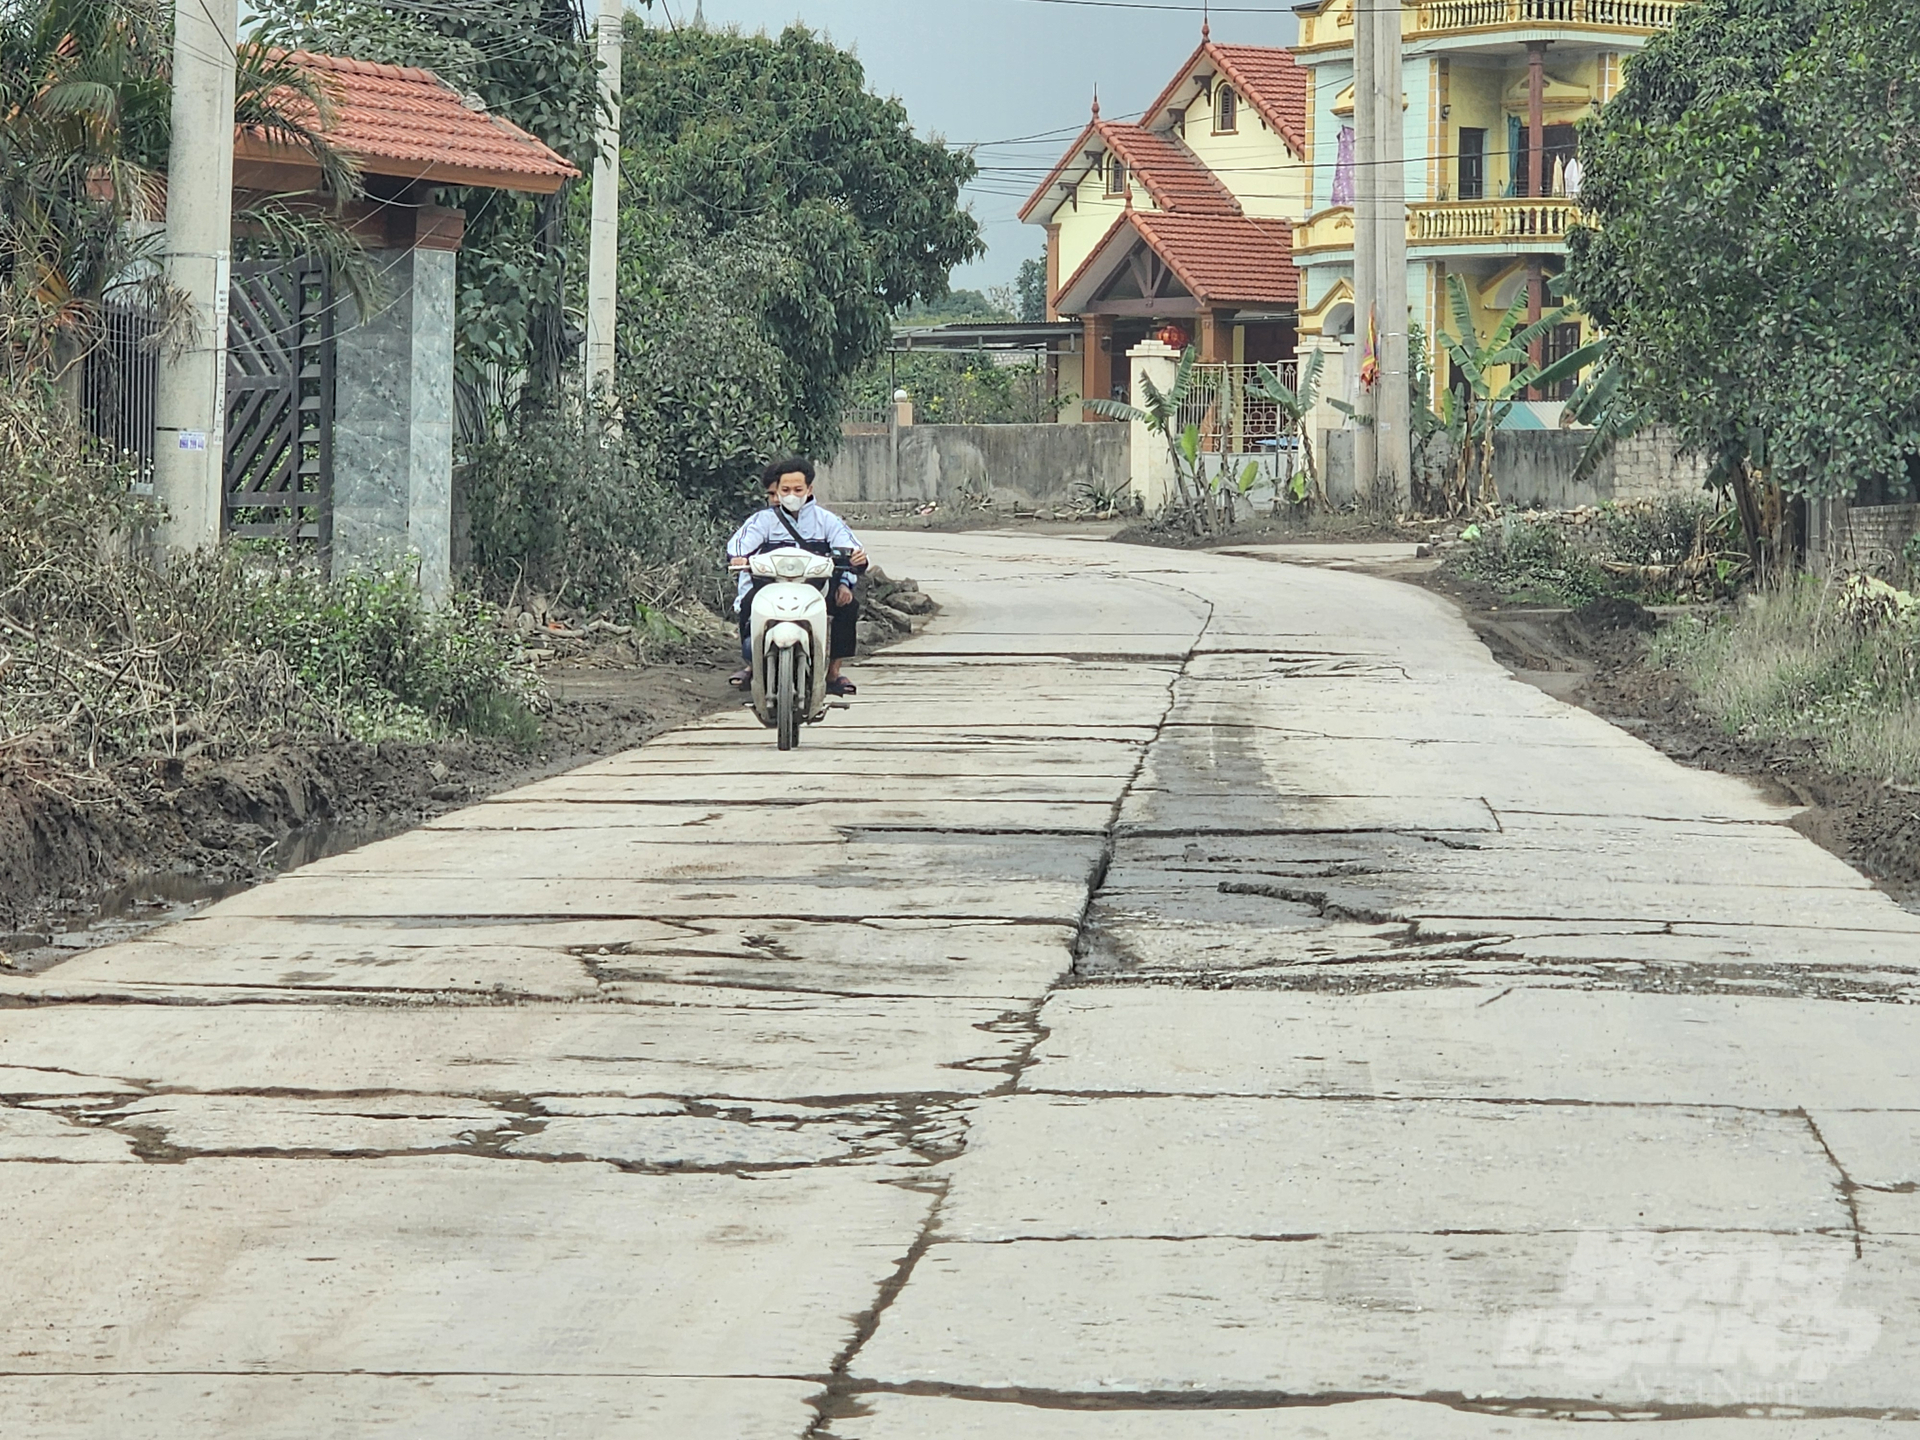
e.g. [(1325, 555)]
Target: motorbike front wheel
[(789, 678)]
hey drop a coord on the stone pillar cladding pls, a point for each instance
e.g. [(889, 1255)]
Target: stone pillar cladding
[(393, 424), (1150, 463)]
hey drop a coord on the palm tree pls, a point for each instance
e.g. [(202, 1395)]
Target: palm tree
[(85, 113)]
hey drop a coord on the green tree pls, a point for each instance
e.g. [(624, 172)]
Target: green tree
[(1752, 193), (531, 62), (1031, 285), (729, 138), (85, 125)]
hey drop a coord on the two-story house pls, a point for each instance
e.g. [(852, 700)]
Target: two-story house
[(1181, 223), (1493, 92)]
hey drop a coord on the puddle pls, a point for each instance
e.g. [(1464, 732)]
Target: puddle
[(154, 900)]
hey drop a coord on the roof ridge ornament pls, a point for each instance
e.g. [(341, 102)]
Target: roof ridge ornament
[(1206, 21), (1096, 102)]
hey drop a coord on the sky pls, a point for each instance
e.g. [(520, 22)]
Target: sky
[(992, 71)]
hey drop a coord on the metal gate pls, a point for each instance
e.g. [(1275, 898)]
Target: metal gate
[(280, 359)]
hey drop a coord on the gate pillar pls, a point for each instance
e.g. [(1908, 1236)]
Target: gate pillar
[(393, 422)]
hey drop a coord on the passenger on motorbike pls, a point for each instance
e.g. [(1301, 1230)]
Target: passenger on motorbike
[(793, 521)]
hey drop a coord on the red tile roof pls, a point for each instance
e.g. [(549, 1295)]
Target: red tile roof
[(1266, 75), (1221, 259), (1273, 83), (1226, 258), (1171, 173), (398, 121)]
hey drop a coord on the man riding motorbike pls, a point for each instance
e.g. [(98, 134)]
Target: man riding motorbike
[(793, 521)]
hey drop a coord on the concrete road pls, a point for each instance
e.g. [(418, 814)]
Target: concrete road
[(1197, 997)]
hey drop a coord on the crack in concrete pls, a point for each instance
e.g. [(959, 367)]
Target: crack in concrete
[(1532, 1407), (1843, 1183), (838, 1398)]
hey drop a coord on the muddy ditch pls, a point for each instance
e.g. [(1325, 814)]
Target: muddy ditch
[(84, 868)]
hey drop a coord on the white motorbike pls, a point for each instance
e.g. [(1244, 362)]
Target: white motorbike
[(789, 640)]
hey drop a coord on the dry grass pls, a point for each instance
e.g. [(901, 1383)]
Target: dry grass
[(106, 658), (1788, 664)]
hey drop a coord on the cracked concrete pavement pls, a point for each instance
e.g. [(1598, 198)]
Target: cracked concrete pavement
[(1185, 997)]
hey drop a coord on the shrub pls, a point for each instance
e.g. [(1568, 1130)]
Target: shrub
[(103, 655), (1532, 562), (578, 516)]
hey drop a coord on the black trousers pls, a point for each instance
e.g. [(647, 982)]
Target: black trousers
[(842, 623)]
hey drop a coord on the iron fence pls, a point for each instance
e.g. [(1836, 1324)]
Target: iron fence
[(1233, 418), (119, 385)]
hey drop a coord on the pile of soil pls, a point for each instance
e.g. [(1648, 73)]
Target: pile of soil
[(1596, 657), (199, 828)]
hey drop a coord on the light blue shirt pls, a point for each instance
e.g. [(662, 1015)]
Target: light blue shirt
[(813, 523)]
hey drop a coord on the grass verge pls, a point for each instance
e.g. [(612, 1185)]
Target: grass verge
[(1812, 661)]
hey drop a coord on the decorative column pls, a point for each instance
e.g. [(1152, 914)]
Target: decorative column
[(1151, 462), (1096, 361), (393, 423)]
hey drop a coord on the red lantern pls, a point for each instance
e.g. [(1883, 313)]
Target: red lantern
[(1174, 337)]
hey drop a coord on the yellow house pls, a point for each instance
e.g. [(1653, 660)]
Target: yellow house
[(1183, 220), (1494, 90)]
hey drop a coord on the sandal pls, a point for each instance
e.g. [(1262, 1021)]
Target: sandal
[(740, 679), (840, 685)]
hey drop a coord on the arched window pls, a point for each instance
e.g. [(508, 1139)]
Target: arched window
[(1116, 176), (1226, 111)]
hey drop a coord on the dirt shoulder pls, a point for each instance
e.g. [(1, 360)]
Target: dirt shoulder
[(83, 868), (1596, 657), (79, 869)]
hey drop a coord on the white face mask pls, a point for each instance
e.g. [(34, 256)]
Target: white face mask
[(793, 504)]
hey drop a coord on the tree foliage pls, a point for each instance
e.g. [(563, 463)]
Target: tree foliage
[(85, 126), (1031, 285), (531, 62), (1754, 193), (753, 144)]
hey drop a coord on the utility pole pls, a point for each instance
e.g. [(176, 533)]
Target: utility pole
[(1393, 408), (190, 413), (1366, 224), (603, 254)]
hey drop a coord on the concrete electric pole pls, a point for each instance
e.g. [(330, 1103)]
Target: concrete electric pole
[(603, 255), (1366, 224), (1392, 408), (190, 413)]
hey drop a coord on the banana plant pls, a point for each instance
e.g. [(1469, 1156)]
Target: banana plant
[(1484, 403), (1292, 404), (1602, 401), (1161, 416)]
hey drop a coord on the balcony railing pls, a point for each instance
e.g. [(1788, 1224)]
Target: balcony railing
[(1451, 16), (1508, 222), (1490, 221)]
